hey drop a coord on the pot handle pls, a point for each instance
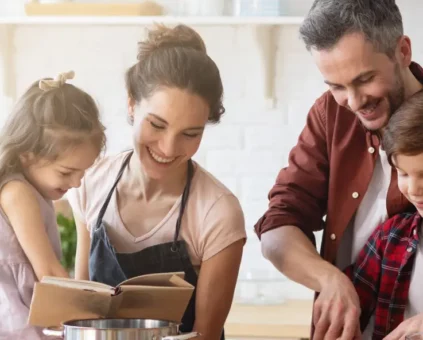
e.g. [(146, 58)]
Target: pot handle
[(185, 336), (52, 331)]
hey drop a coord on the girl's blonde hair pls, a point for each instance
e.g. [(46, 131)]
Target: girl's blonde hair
[(50, 118)]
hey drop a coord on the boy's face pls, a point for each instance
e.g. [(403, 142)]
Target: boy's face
[(410, 178)]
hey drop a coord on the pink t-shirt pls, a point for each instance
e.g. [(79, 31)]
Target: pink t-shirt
[(212, 221)]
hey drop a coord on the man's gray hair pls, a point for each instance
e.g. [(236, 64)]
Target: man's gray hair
[(329, 20)]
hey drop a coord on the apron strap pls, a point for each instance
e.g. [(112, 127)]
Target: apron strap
[(184, 201), (109, 196)]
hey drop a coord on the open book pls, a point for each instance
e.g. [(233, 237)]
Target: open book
[(162, 296)]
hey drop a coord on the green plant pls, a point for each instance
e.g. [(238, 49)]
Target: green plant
[(67, 230)]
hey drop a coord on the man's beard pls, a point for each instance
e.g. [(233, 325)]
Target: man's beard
[(397, 96)]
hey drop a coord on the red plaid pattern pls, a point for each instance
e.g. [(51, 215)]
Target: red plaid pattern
[(382, 272)]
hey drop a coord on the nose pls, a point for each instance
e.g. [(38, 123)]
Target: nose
[(168, 146), (355, 102), (415, 187), (76, 180)]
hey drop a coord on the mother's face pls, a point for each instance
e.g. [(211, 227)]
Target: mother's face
[(167, 129)]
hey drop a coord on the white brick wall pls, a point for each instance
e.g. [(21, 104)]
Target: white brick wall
[(254, 138)]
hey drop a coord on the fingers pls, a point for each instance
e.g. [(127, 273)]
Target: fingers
[(317, 313), (335, 329), (397, 333), (321, 327), (351, 325), (332, 323)]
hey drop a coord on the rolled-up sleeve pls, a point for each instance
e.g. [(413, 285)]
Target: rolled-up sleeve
[(299, 196)]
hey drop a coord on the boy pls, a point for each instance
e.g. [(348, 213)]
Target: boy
[(388, 273)]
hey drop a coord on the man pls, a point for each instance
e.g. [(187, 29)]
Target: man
[(338, 178)]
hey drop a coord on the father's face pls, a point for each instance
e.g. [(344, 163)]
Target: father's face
[(365, 81)]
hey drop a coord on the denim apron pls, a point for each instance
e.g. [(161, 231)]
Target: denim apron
[(109, 267)]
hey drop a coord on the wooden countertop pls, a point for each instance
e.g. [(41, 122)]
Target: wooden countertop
[(291, 319)]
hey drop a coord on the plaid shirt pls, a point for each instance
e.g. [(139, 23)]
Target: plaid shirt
[(382, 272)]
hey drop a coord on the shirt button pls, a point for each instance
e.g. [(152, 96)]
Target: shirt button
[(355, 194), (333, 237), (409, 249), (371, 149)]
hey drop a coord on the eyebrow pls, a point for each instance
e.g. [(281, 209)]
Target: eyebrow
[(201, 128), (355, 80)]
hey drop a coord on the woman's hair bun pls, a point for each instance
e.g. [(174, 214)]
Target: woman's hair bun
[(161, 37)]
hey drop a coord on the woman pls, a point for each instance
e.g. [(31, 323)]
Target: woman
[(153, 209)]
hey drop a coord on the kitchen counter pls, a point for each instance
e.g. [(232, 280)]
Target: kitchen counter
[(291, 320)]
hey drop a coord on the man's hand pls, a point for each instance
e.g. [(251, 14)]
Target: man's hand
[(337, 310), (407, 327)]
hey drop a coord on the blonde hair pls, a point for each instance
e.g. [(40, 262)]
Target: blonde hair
[(176, 57), (49, 119)]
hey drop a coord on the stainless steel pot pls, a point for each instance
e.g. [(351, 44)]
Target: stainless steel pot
[(119, 329)]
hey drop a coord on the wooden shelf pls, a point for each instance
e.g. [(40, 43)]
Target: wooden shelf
[(148, 20)]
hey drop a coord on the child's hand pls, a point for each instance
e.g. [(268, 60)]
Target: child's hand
[(407, 327)]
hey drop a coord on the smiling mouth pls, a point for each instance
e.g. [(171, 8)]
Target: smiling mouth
[(369, 110), (160, 159)]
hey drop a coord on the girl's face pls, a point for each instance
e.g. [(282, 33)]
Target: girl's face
[(54, 179), (167, 130)]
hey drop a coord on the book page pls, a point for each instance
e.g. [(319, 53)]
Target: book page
[(156, 279), (52, 304), (77, 284)]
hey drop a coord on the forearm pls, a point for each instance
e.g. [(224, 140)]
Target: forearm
[(82, 252), (215, 291), (50, 268), (212, 308), (294, 255)]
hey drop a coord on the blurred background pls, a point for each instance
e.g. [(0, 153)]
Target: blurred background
[(270, 83)]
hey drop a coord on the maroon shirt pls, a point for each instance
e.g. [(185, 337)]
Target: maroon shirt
[(329, 172)]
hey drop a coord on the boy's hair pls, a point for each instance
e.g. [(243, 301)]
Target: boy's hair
[(380, 22), (50, 118), (176, 57), (404, 132)]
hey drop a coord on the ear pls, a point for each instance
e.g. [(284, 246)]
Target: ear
[(404, 54), (27, 159), (131, 107)]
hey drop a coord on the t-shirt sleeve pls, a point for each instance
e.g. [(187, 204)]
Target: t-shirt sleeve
[(224, 224), (78, 201)]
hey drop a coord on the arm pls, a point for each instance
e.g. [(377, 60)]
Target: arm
[(297, 203), (215, 290), (77, 200), (21, 207), (221, 242), (298, 260), (337, 308), (82, 251)]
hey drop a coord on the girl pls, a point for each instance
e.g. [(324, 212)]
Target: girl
[(52, 136), (153, 209)]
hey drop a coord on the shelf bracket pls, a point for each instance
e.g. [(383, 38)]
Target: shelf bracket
[(7, 68), (267, 36)]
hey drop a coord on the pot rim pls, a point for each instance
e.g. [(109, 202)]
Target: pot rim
[(68, 325)]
